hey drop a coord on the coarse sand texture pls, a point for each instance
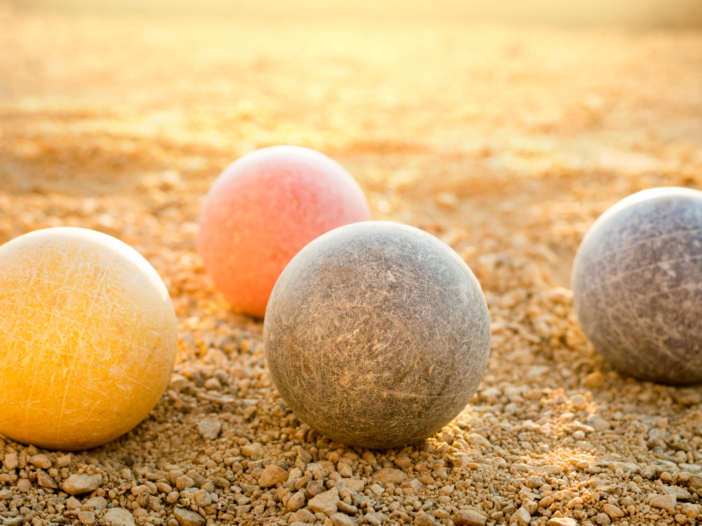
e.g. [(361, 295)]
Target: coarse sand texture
[(377, 334), (263, 210), (87, 338), (636, 285)]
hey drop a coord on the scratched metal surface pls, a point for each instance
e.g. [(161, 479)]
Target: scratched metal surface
[(377, 334), (637, 285)]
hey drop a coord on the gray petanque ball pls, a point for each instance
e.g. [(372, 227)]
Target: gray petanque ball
[(377, 334), (637, 285)]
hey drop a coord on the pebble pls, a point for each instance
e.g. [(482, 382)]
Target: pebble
[(424, 520), (521, 517), (188, 518), (469, 518), (86, 517), (390, 475), (272, 475), (254, 450), (95, 503), (64, 461), (24, 485), (81, 484), (45, 481), (210, 428), (325, 502), (665, 502), (613, 511), (297, 501), (562, 521), (11, 461), (118, 517), (339, 519), (40, 461)]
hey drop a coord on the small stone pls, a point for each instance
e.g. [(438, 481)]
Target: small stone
[(202, 498), (304, 516), (297, 501), (424, 520), (530, 505), (599, 424), (562, 521), (477, 440), (521, 517), (14, 521), (390, 475), (602, 519), (96, 503), (118, 517), (680, 493), (346, 508), (469, 518), (354, 484), (210, 427), (593, 381), (690, 510), (345, 470), (325, 502), (45, 481), (254, 450), (579, 402), (403, 461), (695, 482), (163, 487), (184, 482), (613, 511), (40, 461), (377, 489), (188, 518), (374, 519), (665, 502), (625, 467), (11, 461), (73, 503), (534, 482), (23, 485), (64, 461), (272, 476), (687, 397), (86, 517), (339, 519), (80, 484)]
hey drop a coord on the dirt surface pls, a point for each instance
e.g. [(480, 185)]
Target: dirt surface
[(505, 143)]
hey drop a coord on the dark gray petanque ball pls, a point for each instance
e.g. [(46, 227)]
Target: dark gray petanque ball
[(637, 285), (377, 334)]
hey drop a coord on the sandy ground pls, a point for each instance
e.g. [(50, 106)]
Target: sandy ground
[(505, 143)]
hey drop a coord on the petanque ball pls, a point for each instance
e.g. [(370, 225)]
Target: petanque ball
[(264, 209), (637, 285), (377, 335), (87, 338)]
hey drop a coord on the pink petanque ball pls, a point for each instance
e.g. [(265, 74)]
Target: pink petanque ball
[(263, 210)]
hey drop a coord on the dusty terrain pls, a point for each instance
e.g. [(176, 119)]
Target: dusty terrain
[(505, 143)]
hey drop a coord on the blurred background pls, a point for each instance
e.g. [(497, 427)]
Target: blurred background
[(503, 127), (579, 12)]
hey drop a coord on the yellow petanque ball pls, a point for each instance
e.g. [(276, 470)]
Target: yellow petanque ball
[(88, 338)]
